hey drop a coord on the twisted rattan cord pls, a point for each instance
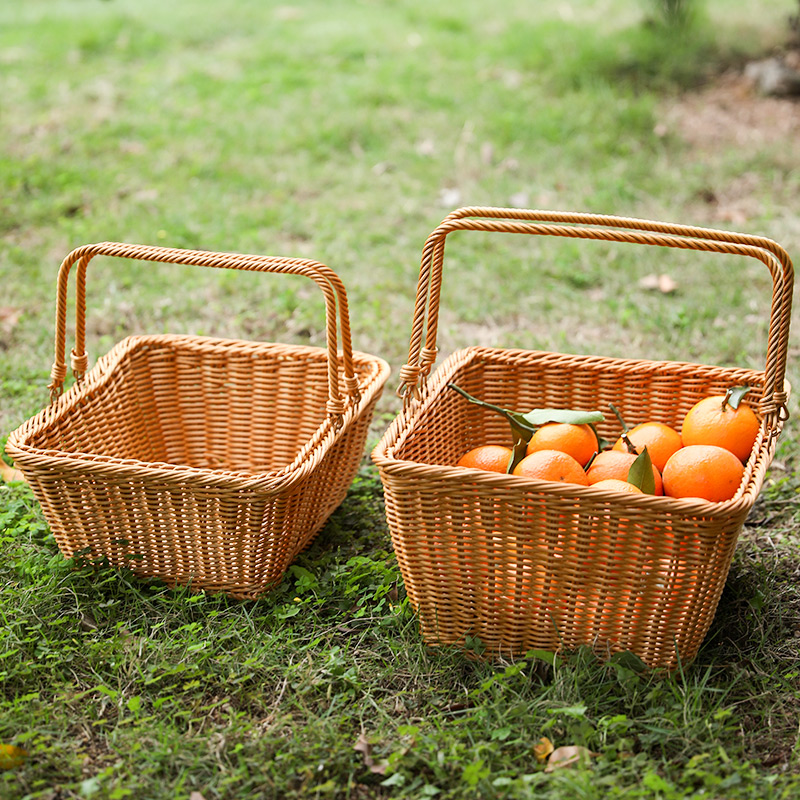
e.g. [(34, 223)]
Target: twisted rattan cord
[(330, 284), (771, 404), (79, 359), (672, 229), (609, 220), (335, 406), (246, 261), (777, 339), (669, 235)]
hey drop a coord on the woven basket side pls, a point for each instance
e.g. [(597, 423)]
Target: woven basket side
[(520, 570), (180, 535)]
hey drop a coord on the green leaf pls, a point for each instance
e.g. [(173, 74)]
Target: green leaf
[(569, 711), (734, 396), (641, 473), (501, 734), (518, 453), (305, 579), (629, 660), (541, 416), (543, 655), (474, 644)]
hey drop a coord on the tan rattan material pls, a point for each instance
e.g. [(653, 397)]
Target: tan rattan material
[(518, 564), (197, 460)]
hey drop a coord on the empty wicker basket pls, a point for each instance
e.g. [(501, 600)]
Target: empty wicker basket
[(196, 460), (504, 564)]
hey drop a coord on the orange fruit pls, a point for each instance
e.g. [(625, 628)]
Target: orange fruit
[(613, 464), (579, 441), (660, 440), (616, 485), (712, 421), (551, 465), (703, 470), (488, 457)]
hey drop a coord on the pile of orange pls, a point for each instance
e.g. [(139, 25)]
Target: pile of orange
[(704, 460)]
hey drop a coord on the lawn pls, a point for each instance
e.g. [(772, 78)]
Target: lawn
[(344, 132)]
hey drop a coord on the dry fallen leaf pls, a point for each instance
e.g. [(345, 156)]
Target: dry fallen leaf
[(196, 796), (449, 197), (365, 748), (12, 756), (9, 317), (663, 283), (542, 748), (10, 474), (519, 200), (567, 757)]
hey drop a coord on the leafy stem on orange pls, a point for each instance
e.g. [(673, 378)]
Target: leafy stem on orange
[(524, 425), (734, 396)]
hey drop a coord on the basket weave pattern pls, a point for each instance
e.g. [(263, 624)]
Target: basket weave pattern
[(200, 460), (520, 564)]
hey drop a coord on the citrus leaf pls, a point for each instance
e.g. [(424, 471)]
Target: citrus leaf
[(518, 453), (641, 473), (541, 416), (523, 426), (734, 396)]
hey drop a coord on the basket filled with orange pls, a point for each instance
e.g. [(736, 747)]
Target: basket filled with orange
[(526, 514), (197, 460)]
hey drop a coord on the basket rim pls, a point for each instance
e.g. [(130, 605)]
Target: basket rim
[(324, 437), (383, 455), (529, 488)]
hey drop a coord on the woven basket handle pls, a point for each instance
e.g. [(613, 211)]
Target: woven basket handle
[(606, 228), (328, 281)]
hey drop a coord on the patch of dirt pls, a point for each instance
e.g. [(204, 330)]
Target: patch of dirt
[(731, 112)]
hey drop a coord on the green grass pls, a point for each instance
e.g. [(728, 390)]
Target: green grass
[(345, 132)]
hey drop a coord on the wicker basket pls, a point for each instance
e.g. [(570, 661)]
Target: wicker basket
[(505, 564), (199, 461)]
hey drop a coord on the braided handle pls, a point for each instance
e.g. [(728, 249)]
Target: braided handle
[(328, 281), (606, 228)]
